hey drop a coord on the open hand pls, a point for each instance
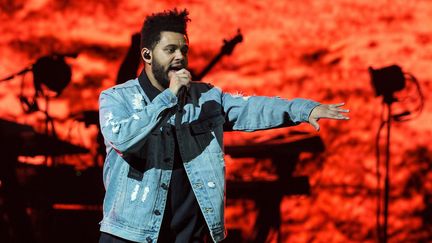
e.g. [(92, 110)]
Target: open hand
[(332, 111)]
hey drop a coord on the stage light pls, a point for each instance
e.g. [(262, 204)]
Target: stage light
[(53, 72), (386, 81)]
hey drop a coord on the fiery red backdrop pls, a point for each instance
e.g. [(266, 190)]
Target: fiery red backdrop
[(313, 49)]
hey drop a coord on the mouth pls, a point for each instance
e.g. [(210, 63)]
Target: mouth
[(175, 67)]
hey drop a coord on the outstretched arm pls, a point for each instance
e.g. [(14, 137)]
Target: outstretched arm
[(331, 111)]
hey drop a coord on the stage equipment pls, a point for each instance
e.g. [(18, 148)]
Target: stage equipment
[(268, 194), (387, 81), (50, 71)]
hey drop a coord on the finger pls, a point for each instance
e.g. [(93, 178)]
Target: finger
[(343, 110), (335, 115), (183, 70), (185, 82), (186, 73), (184, 77), (338, 109), (340, 117), (337, 105), (331, 114)]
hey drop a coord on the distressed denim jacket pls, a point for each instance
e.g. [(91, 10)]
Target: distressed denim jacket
[(138, 167)]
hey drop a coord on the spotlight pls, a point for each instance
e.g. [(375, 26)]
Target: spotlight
[(386, 81), (53, 72)]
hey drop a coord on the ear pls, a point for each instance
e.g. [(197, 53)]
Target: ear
[(146, 55)]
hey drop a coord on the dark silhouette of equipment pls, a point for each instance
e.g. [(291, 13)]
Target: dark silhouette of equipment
[(129, 67), (53, 72), (15, 198), (28, 142), (226, 49), (386, 82), (284, 154), (50, 71), (15, 225)]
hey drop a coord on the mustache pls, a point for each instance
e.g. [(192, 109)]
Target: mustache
[(177, 66)]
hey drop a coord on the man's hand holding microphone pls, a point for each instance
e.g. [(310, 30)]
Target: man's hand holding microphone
[(179, 83), (178, 79)]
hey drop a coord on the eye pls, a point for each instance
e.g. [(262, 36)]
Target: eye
[(170, 50)]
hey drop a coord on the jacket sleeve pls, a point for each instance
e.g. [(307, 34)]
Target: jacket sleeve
[(127, 131), (257, 112)]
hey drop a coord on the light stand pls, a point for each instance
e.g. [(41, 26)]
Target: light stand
[(383, 87)]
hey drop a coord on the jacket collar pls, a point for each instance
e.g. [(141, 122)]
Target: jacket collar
[(150, 90)]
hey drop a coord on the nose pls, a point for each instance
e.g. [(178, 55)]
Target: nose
[(179, 55)]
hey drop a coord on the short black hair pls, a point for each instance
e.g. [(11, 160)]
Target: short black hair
[(168, 20)]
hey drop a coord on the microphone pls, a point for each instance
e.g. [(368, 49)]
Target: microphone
[(181, 95)]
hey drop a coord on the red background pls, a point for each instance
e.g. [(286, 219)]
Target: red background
[(280, 37)]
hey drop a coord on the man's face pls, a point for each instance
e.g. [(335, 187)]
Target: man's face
[(169, 54)]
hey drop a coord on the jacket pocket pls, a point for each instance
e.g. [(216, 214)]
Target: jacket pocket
[(207, 125), (203, 132)]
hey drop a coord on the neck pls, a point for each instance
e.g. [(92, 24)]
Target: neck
[(152, 79)]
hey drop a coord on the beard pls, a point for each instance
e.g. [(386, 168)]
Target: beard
[(160, 73)]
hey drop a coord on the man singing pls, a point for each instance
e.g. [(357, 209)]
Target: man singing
[(164, 172)]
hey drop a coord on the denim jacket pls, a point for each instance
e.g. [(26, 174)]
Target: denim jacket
[(138, 167)]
